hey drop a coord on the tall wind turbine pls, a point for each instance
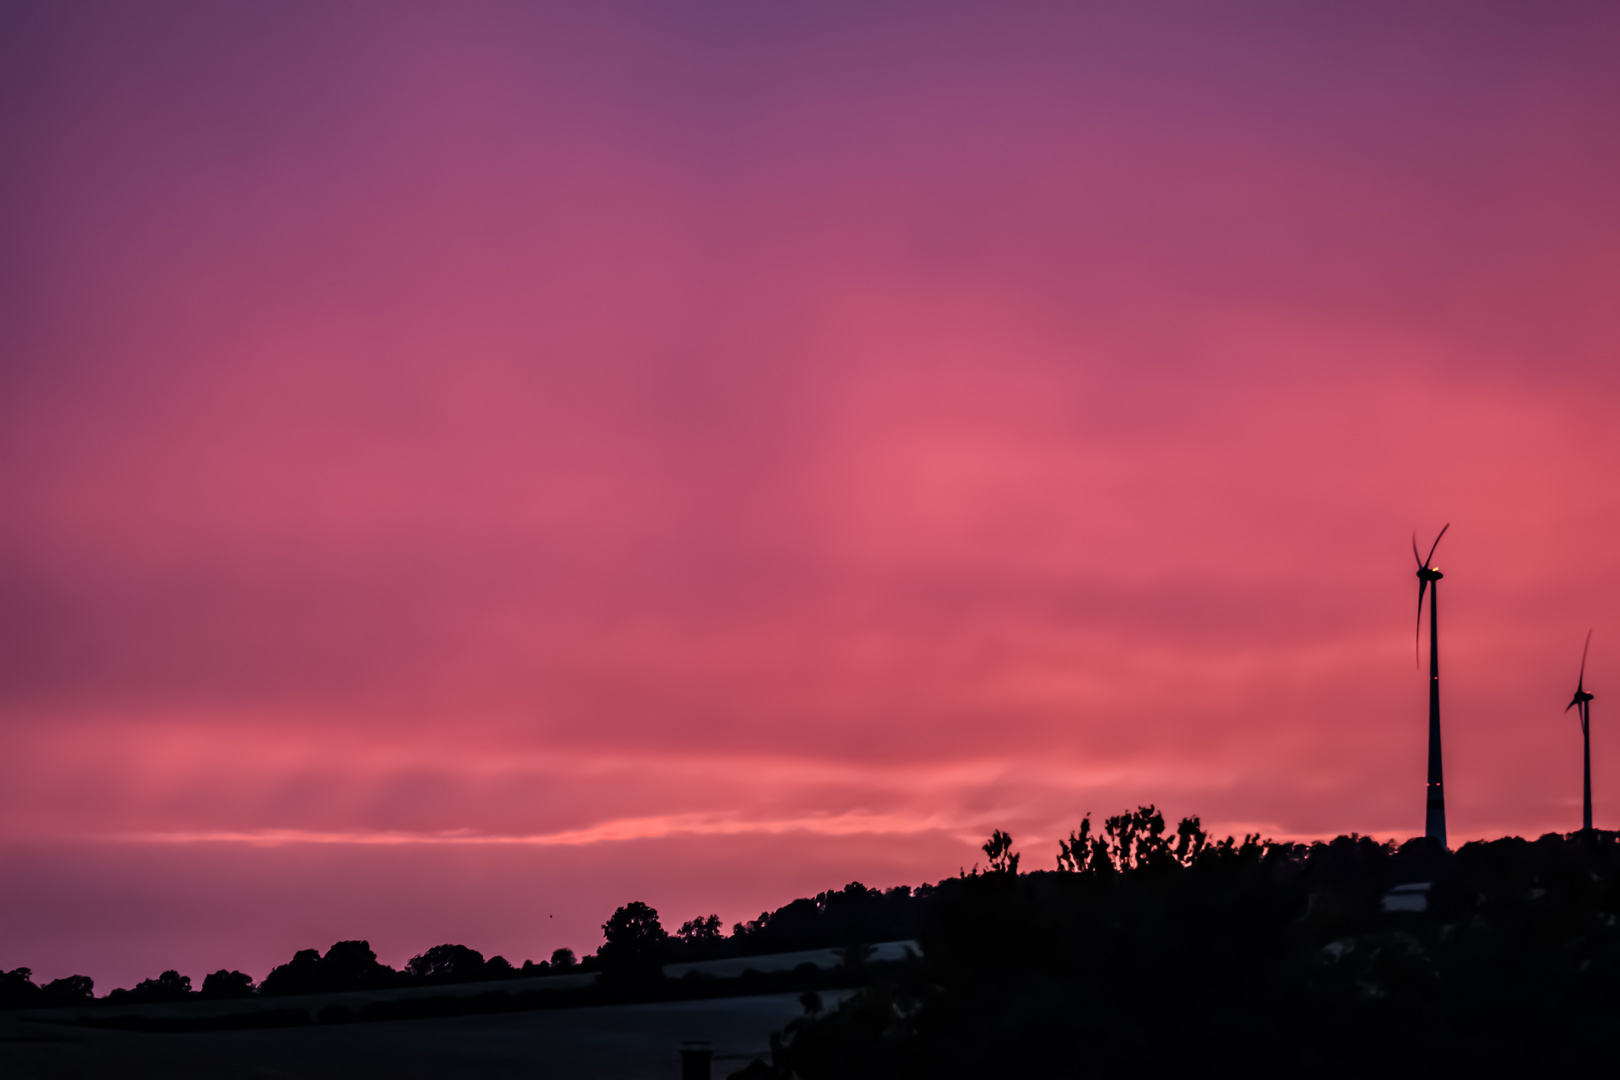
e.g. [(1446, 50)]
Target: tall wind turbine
[(1583, 699), (1434, 820)]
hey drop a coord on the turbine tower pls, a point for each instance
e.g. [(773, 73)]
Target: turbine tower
[(1583, 700), (1434, 820)]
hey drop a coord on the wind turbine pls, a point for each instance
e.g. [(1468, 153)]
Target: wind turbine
[(1583, 699), (1434, 820)]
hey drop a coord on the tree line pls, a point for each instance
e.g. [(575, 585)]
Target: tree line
[(635, 946), (1154, 951), (1144, 950)]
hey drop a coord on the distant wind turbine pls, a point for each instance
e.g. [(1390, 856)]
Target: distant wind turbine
[(1434, 821), (1583, 700)]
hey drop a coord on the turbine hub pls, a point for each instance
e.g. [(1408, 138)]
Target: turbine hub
[(1429, 573)]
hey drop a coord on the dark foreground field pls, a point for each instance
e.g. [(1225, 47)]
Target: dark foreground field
[(524, 1027), (633, 1042)]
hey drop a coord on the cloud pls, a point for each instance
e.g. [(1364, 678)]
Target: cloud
[(519, 435)]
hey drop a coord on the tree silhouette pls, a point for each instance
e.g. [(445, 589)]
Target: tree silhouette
[(1082, 852), (700, 931), (1163, 952), (17, 988), (348, 965), (998, 849), (448, 963), (1132, 840), (351, 965), (300, 975), (633, 945), (68, 991), (227, 984), (836, 917), (169, 986)]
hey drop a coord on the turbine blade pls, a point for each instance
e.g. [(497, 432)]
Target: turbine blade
[(1443, 529), (1580, 684), (1415, 554)]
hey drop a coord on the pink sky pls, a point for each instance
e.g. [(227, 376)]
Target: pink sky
[(467, 466)]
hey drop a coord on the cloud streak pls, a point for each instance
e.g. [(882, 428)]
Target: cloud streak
[(650, 828)]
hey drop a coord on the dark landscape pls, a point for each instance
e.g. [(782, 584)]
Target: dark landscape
[(1147, 951), (495, 493)]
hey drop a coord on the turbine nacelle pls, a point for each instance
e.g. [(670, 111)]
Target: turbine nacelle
[(1582, 695), (1427, 576)]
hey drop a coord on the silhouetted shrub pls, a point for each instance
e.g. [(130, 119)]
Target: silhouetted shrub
[(169, 986), (347, 965), (448, 964), (300, 975), (227, 984), (851, 915), (17, 988), (999, 850), (351, 965), (71, 990), (562, 959), (702, 931)]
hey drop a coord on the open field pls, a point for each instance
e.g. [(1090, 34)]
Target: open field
[(632, 1042), (610, 1041)]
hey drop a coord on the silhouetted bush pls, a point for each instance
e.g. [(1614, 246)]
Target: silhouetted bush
[(448, 964), (227, 984), (17, 988), (999, 850), (701, 932), (562, 959), (300, 975), (347, 965), (848, 916), (351, 965), (72, 990), (169, 986)]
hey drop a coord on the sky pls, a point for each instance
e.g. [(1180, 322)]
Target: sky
[(467, 466)]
